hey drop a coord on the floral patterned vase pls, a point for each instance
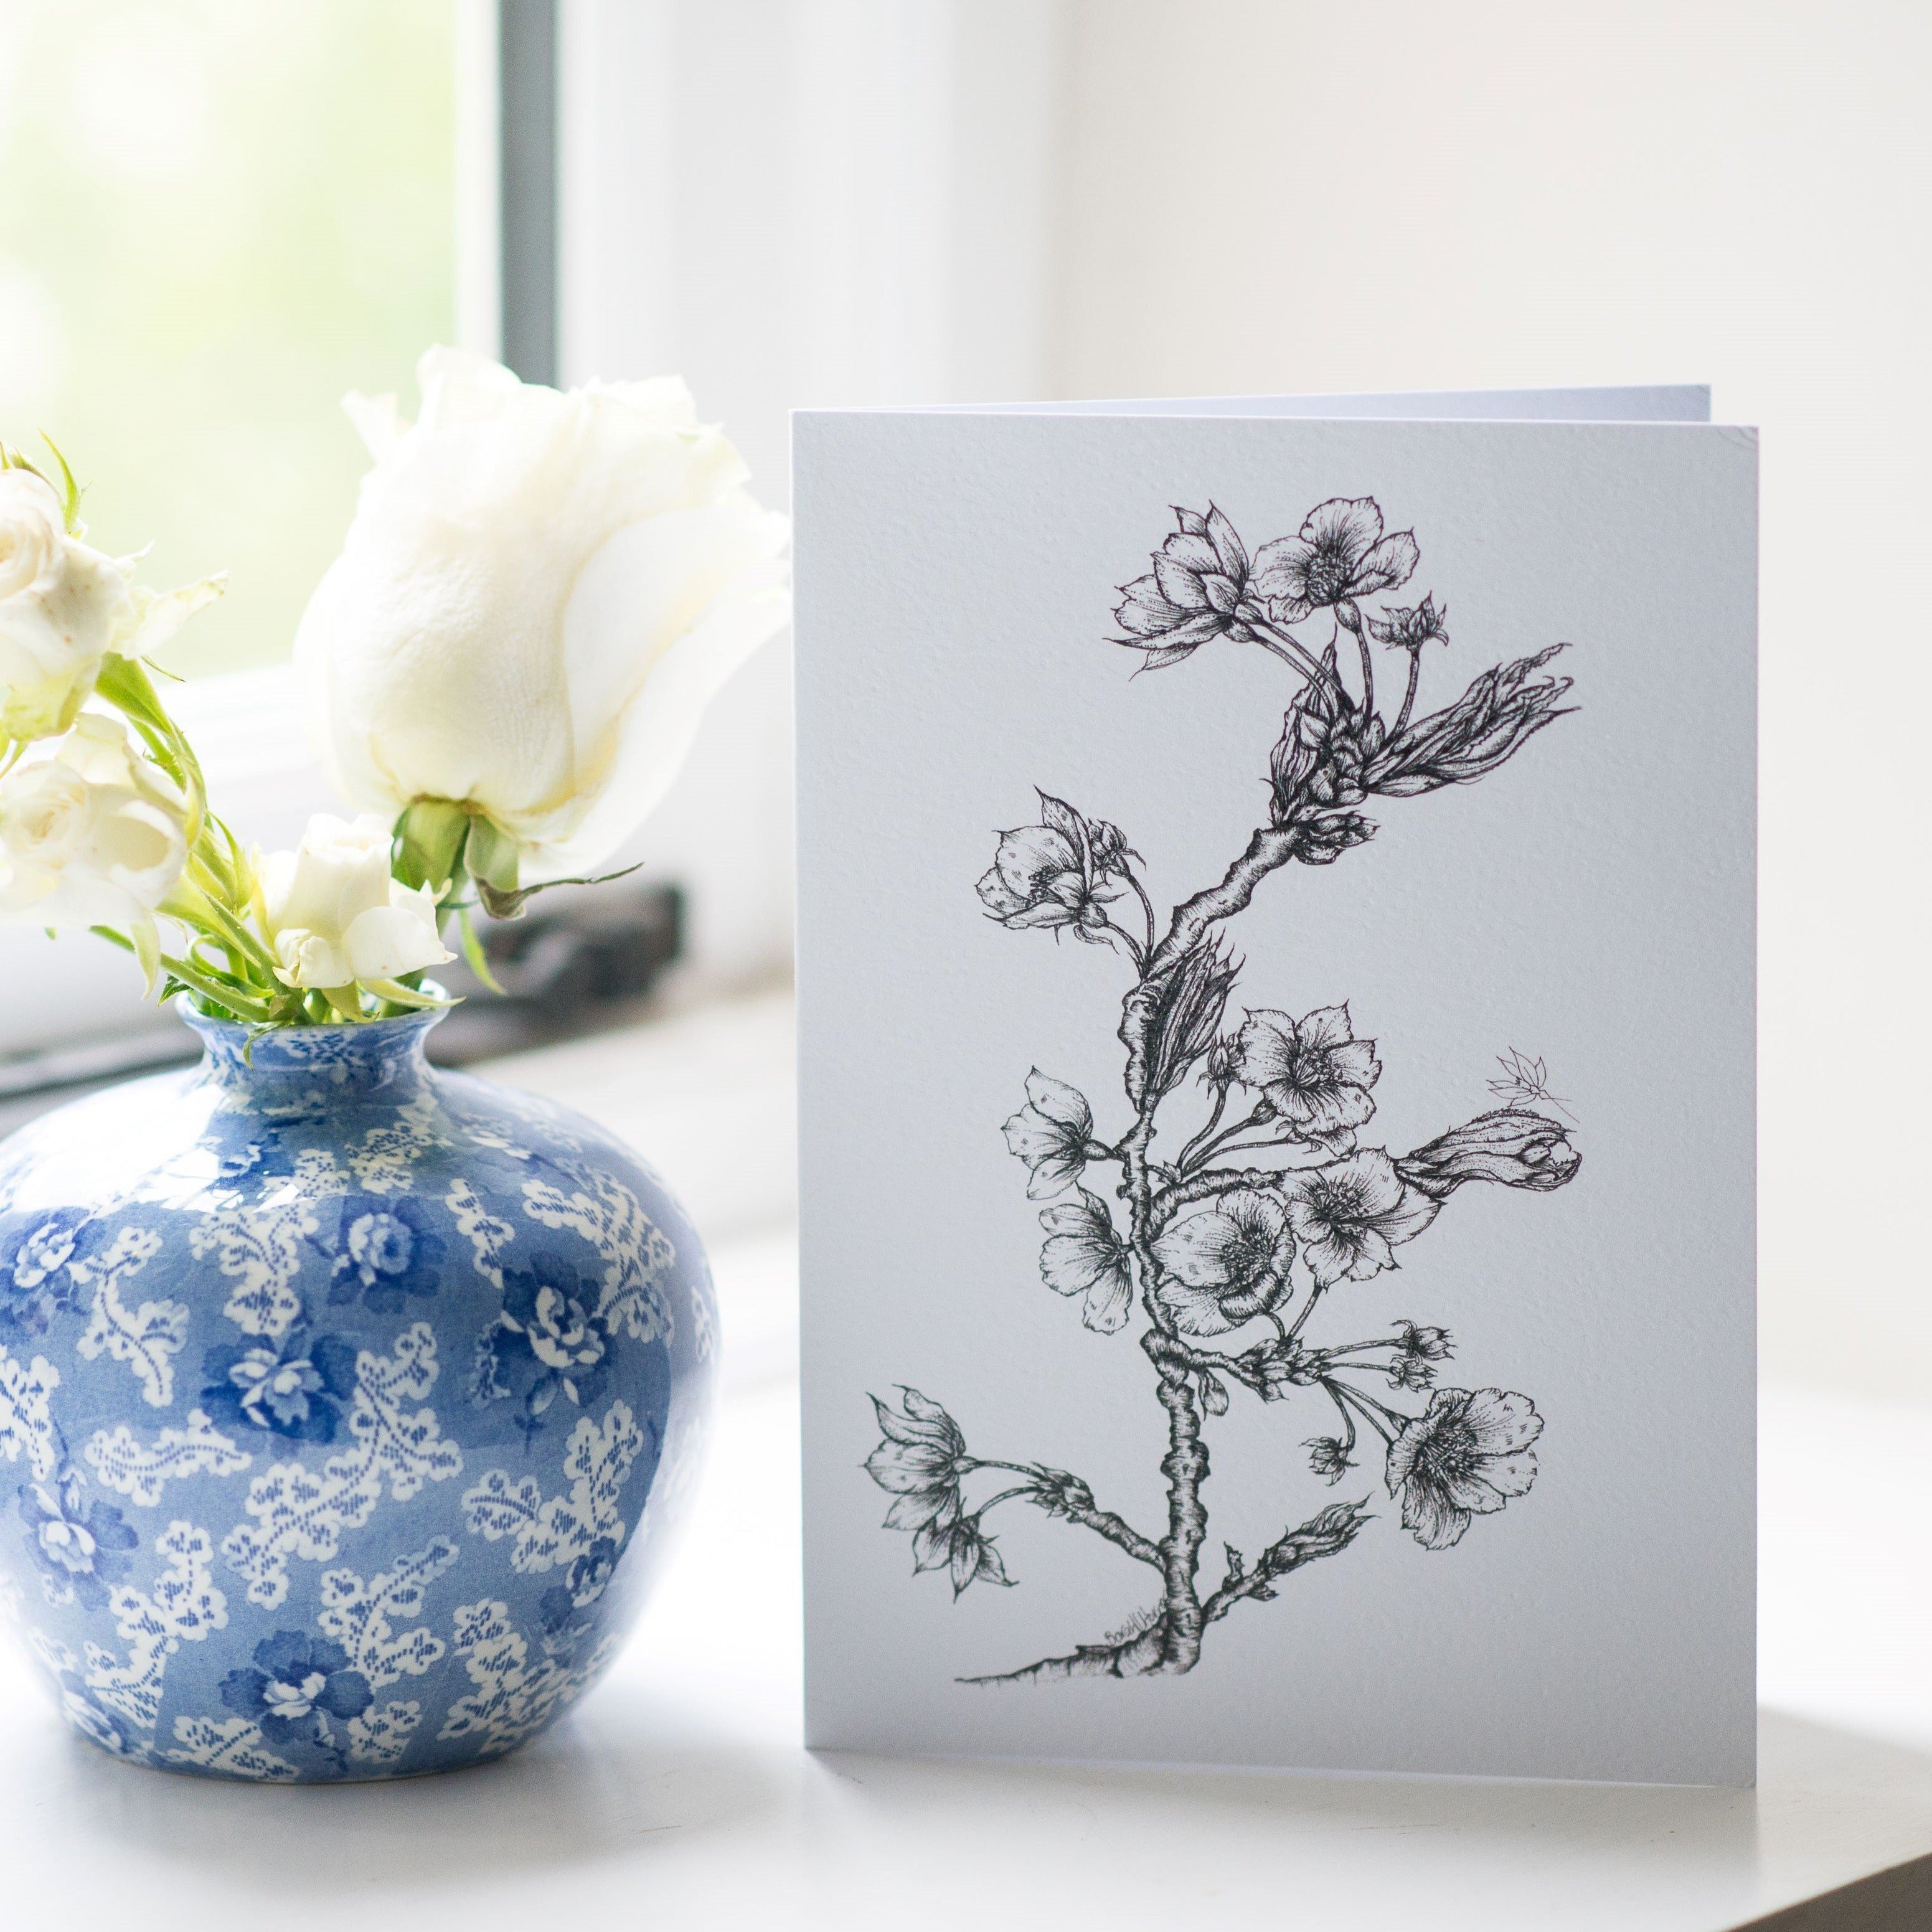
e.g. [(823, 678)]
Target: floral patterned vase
[(346, 1405)]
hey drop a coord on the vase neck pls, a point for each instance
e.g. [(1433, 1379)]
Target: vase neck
[(379, 1057)]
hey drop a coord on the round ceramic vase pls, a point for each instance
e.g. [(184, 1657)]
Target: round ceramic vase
[(345, 1405)]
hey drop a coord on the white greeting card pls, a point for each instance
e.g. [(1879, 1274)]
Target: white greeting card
[(1275, 981)]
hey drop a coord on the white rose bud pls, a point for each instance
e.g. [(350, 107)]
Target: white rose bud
[(92, 833), (538, 595), (334, 916)]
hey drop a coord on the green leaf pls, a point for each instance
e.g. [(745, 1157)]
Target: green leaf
[(477, 959), (69, 489)]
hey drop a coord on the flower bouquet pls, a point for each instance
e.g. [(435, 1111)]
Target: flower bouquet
[(333, 1389)]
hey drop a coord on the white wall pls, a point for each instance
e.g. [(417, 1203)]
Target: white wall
[(1262, 195), (792, 202)]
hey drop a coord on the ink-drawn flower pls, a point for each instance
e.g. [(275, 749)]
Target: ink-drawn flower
[(1058, 874), (298, 1683), (1226, 1263), (1328, 1457), (1051, 1134), (1197, 590), (385, 1252), (1350, 1216), (296, 1388), (1083, 1256), (1339, 555), (547, 1342), (36, 1281), (1465, 741), (1409, 628), (1466, 1455), (1313, 1071), (1512, 1147), (920, 1464), (81, 1547)]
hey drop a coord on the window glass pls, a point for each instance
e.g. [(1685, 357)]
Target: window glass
[(215, 217)]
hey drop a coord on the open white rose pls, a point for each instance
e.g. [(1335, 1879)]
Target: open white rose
[(538, 595), (333, 915), (92, 833), (64, 606)]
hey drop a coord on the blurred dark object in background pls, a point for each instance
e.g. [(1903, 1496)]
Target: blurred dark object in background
[(588, 964), (578, 969)]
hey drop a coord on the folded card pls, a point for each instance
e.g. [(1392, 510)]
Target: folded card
[(1276, 978)]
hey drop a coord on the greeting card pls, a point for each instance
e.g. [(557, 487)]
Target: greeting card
[(1276, 977)]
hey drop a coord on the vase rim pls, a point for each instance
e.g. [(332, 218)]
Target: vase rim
[(209, 1027)]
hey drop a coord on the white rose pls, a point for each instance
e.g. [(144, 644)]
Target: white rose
[(538, 595), (92, 833), (64, 606), (334, 916)]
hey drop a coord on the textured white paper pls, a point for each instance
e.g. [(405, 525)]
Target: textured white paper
[(1569, 935)]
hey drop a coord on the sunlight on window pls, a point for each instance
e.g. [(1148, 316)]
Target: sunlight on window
[(215, 217)]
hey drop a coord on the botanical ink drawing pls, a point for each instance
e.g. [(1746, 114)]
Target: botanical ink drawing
[(1233, 1194)]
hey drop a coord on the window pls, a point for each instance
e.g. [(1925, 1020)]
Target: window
[(216, 216)]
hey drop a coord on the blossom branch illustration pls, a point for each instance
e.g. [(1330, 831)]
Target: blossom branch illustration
[(1210, 1250)]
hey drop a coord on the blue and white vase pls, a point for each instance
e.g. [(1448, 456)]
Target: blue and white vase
[(346, 1405)]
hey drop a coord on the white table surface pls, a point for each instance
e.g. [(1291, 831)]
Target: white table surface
[(678, 1794)]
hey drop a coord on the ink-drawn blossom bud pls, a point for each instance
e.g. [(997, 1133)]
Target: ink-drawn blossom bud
[(1417, 1351), (1425, 1345), (1197, 591), (1340, 555), (920, 1464), (1060, 873), (1218, 1069), (1408, 629), (1313, 1070), (1409, 1372), (1350, 1216), (1225, 1265), (1322, 759), (1084, 1256), (1052, 1133), (1466, 1455), (1060, 1493), (1328, 1457), (1512, 1147), (1325, 840), (1501, 709), (1327, 1533), (1276, 1368), (1172, 1020)]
